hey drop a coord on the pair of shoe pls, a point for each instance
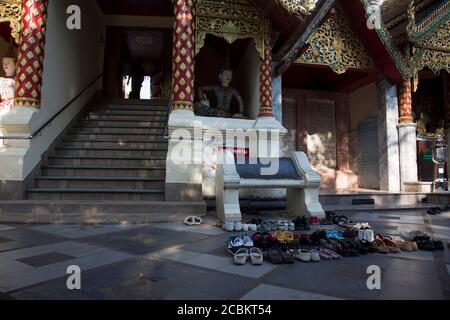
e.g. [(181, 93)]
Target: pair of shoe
[(328, 254), (407, 246), (434, 211), (241, 256), (285, 225), (193, 221), (238, 226), (416, 234), (362, 226), (279, 255), (238, 242), (307, 255), (284, 236)]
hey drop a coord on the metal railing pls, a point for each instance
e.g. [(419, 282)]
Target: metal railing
[(48, 122), (166, 126)]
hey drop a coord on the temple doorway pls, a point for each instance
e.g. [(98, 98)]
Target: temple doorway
[(137, 63)]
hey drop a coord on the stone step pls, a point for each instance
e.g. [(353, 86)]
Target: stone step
[(113, 144), (104, 171), (121, 124), (115, 136), (124, 111), (123, 117), (74, 182), (105, 161), (124, 131), (131, 102), (95, 194), (111, 152), (130, 107), (97, 211)]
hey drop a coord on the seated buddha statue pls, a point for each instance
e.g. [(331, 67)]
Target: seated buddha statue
[(224, 95), (7, 83)]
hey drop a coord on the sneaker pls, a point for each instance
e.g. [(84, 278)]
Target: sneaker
[(229, 226), (248, 243), (302, 255), (238, 226), (315, 257)]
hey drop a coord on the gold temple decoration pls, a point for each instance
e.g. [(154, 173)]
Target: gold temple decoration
[(336, 45), (231, 20), (429, 41), (11, 11), (298, 7)]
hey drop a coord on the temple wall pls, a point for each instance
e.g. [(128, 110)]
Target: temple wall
[(72, 61), (363, 104)]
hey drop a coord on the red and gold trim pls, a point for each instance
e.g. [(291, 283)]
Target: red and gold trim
[(30, 59), (405, 99), (265, 81), (183, 60)]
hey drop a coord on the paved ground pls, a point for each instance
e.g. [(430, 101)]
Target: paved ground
[(172, 261)]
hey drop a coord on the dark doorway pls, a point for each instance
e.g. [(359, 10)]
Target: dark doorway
[(137, 62)]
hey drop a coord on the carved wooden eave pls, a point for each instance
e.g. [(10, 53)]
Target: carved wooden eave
[(294, 46), (11, 11), (429, 41), (335, 44), (298, 7), (230, 20)]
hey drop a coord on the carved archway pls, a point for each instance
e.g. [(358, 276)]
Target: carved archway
[(236, 19)]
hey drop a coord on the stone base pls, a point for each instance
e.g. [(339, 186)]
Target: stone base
[(421, 187), (183, 192)]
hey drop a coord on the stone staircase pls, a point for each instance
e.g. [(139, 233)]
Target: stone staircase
[(109, 166)]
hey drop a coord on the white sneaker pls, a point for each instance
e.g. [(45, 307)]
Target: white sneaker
[(229, 226), (238, 226), (248, 242), (240, 257), (303, 255), (245, 227)]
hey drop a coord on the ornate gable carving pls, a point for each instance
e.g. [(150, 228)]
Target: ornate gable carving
[(11, 11), (336, 45)]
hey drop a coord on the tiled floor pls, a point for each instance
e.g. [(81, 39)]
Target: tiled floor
[(174, 261)]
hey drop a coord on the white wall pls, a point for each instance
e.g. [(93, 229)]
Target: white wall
[(73, 59)]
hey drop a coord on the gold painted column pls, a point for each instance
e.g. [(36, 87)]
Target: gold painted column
[(405, 100), (265, 82), (183, 60), (30, 59)]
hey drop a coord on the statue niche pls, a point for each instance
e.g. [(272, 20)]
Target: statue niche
[(224, 96)]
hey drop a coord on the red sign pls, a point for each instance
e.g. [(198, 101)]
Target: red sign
[(237, 152)]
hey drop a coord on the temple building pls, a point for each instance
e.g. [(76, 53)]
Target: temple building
[(120, 110)]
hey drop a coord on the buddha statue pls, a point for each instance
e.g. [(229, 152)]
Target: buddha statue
[(441, 129), (421, 126), (7, 83), (224, 95)]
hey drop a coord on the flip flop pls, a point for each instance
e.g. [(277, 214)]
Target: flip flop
[(193, 220)]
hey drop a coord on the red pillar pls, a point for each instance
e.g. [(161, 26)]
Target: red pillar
[(405, 99), (183, 60), (265, 82), (30, 59)]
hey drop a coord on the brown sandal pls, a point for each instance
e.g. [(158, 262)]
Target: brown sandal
[(392, 246), (379, 247)]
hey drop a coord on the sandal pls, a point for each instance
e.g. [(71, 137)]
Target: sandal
[(240, 257), (379, 247), (279, 235), (274, 256), (193, 221), (288, 236), (393, 247), (256, 256)]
